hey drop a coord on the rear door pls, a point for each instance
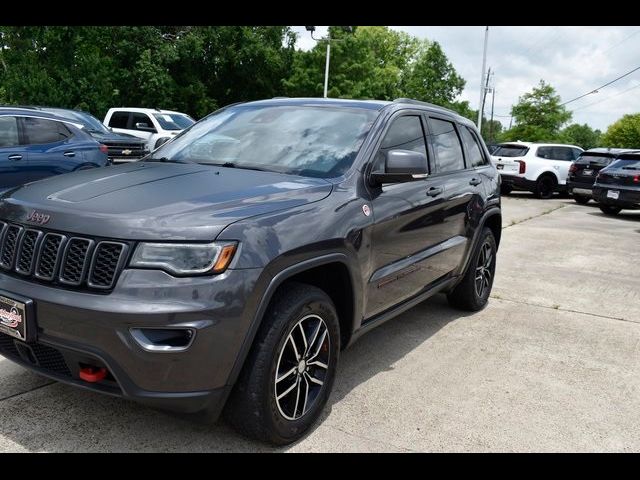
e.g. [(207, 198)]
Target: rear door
[(14, 169), (559, 158), (587, 167), (51, 148)]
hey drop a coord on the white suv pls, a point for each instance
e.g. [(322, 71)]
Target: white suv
[(152, 124), (541, 168)]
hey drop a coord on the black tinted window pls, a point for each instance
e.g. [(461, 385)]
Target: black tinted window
[(476, 159), (8, 132), (405, 133), (595, 158), (557, 153), (446, 145), (119, 120), (510, 151), (39, 131), (141, 118)]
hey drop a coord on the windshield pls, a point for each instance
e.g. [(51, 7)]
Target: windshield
[(174, 121), (88, 121), (300, 140), (510, 151), (626, 164)]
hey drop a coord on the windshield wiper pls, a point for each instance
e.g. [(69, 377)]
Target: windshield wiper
[(167, 160), (235, 165)]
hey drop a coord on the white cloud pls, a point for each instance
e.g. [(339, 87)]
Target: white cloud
[(575, 60)]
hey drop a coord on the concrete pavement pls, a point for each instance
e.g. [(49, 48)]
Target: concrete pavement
[(551, 364)]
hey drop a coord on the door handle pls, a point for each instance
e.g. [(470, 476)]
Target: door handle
[(475, 181), (15, 157), (435, 191), (69, 154)]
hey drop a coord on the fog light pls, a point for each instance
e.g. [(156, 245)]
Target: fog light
[(163, 339)]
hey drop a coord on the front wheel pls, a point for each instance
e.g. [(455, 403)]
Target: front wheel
[(472, 293), (610, 209), (582, 200), (288, 376)]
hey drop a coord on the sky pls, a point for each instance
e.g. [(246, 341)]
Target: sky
[(574, 60)]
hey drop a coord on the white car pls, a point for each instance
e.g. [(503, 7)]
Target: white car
[(541, 168), (152, 124)]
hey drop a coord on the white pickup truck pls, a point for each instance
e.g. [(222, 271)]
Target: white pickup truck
[(541, 168)]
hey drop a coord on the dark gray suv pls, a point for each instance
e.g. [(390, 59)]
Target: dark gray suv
[(227, 270)]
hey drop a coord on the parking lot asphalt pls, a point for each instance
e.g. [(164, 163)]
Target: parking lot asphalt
[(552, 364)]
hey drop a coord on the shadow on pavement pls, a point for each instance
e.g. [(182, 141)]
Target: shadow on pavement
[(63, 418)]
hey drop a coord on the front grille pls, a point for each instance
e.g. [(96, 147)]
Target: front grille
[(58, 258), (134, 150), (38, 355)]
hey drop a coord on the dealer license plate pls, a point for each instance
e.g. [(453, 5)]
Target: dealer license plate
[(13, 318), (614, 194)]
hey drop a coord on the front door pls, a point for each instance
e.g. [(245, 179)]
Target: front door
[(13, 156)]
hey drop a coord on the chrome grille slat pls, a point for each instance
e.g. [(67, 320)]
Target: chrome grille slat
[(54, 257)]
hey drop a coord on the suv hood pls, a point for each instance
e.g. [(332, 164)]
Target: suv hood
[(158, 201), (116, 137)]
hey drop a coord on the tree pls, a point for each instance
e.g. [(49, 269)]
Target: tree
[(624, 133), (538, 115), (376, 62), (581, 135)]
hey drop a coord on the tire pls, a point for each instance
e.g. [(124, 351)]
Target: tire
[(545, 186), (581, 199), (610, 209), (467, 295), (505, 189), (253, 408)]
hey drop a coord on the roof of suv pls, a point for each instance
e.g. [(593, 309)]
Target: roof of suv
[(531, 144), (610, 151), (369, 104), (34, 112), (145, 110)]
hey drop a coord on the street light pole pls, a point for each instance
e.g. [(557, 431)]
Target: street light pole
[(326, 67), (484, 66)]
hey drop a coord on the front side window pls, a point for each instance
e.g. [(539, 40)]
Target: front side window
[(9, 132), (447, 146), (476, 158), (405, 133), (119, 120), (305, 140), (142, 118), (40, 131)]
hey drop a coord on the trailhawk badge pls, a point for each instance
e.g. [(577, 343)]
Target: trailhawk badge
[(39, 218)]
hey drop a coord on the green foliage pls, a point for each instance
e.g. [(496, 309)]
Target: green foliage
[(192, 69), (376, 62), (538, 116), (581, 135), (624, 133)]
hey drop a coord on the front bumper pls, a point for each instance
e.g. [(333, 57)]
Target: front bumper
[(76, 327), (628, 198)]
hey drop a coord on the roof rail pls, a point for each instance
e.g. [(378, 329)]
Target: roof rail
[(424, 104)]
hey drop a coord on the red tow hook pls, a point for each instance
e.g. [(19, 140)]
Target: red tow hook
[(93, 374)]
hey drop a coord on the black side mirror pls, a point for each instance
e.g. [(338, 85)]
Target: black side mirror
[(145, 127), (402, 166)]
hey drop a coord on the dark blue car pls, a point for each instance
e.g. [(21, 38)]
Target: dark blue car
[(35, 145)]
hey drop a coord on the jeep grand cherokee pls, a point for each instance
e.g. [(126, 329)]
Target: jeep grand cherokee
[(227, 270)]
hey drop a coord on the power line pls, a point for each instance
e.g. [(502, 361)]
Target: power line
[(622, 41), (595, 90), (605, 99)]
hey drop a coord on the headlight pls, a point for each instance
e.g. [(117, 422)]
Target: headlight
[(185, 258)]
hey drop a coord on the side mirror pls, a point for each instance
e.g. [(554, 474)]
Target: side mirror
[(145, 127), (402, 166)]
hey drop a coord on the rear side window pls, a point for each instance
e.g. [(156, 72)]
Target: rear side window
[(405, 133), (8, 132), (39, 131), (447, 146), (557, 153), (476, 158), (119, 120)]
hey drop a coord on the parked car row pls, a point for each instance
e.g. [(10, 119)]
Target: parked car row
[(38, 142), (611, 176)]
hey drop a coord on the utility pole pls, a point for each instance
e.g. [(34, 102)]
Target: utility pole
[(326, 66), (484, 66), (493, 97), (486, 90)]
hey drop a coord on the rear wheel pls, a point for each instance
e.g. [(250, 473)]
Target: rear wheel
[(545, 186), (288, 376), (581, 199), (472, 293), (610, 209)]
